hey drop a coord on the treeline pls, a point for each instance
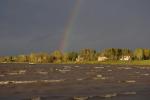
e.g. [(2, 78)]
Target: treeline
[(84, 55)]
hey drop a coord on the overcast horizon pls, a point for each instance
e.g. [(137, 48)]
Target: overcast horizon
[(38, 25)]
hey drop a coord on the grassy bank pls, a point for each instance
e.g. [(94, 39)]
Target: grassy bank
[(110, 62), (141, 62), (115, 62)]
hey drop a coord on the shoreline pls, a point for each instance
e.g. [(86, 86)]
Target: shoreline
[(111, 62)]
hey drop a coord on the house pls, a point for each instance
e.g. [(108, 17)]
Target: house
[(125, 58), (102, 58)]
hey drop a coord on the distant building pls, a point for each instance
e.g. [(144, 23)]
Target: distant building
[(125, 58), (102, 58)]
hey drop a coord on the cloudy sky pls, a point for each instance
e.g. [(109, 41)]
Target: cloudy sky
[(38, 25)]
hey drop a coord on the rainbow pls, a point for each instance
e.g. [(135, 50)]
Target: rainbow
[(69, 25)]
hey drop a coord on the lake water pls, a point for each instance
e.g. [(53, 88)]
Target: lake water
[(74, 82)]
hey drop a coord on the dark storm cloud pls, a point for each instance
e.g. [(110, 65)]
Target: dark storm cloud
[(38, 25), (113, 23), (32, 25)]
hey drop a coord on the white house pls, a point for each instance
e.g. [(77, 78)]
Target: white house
[(125, 58), (102, 58)]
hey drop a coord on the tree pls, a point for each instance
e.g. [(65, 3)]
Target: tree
[(139, 54), (88, 54), (7, 59), (21, 58), (65, 57), (115, 53), (57, 56), (72, 56), (146, 54), (2, 59), (118, 53), (43, 58), (33, 58), (126, 52), (110, 53)]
